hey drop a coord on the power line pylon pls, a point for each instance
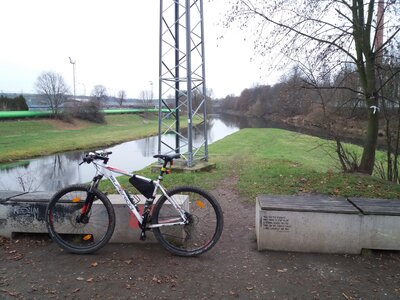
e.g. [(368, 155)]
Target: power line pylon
[(182, 85)]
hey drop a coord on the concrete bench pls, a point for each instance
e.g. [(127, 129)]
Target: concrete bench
[(324, 224), (25, 213)]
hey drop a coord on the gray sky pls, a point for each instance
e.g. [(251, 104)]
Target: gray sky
[(114, 43)]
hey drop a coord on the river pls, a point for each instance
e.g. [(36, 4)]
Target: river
[(50, 173)]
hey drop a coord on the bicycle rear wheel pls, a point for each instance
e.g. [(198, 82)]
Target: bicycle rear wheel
[(205, 221), (75, 233)]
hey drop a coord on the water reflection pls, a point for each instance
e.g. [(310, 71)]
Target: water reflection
[(53, 172)]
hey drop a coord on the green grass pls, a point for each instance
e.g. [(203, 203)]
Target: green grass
[(265, 161), (23, 139), (274, 161), (19, 163), (30, 138)]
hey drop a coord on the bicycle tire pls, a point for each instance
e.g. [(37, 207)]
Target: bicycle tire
[(79, 237), (202, 232)]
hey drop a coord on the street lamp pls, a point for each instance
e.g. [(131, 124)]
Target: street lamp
[(73, 73)]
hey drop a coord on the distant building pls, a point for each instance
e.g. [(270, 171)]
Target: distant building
[(37, 102)]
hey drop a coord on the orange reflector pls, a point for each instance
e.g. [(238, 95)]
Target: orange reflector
[(76, 199), (87, 237), (200, 204)]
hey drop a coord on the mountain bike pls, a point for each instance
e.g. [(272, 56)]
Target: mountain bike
[(186, 220)]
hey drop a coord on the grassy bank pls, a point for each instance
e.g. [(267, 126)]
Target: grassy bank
[(274, 161), (30, 138)]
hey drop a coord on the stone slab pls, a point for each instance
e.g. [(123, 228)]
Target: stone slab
[(307, 203), (323, 224), (27, 197), (315, 229), (380, 223), (370, 206), (380, 232), (7, 195), (126, 227), (26, 214)]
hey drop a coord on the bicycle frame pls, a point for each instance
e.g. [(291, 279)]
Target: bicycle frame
[(107, 171)]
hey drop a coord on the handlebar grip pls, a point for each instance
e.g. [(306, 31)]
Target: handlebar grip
[(87, 159)]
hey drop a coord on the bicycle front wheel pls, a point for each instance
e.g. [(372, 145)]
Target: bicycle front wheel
[(205, 221), (77, 225)]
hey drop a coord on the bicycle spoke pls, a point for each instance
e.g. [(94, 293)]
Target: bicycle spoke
[(204, 222), (77, 225)]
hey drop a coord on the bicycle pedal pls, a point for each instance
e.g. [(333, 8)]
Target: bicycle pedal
[(143, 236)]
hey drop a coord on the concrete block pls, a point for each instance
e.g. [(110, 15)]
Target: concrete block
[(26, 214), (380, 227), (22, 213), (307, 224), (380, 232), (126, 227)]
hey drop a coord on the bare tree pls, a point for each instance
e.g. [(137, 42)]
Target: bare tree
[(335, 32), (52, 86), (99, 93), (121, 97), (390, 69), (146, 96)]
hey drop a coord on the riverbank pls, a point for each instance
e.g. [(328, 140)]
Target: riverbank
[(276, 161), (21, 139), (350, 130), (267, 161)]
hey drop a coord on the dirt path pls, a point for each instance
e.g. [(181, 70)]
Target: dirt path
[(32, 268)]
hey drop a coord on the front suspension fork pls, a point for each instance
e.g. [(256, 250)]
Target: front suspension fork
[(84, 216), (87, 206)]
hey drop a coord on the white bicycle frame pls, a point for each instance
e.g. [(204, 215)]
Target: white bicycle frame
[(107, 171)]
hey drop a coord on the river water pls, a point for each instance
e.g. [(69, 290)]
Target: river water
[(50, 173)]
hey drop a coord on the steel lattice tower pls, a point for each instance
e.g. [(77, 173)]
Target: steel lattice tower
[(182, 85)]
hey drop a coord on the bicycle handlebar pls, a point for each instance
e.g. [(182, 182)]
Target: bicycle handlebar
[(91, 156), (103, 155)]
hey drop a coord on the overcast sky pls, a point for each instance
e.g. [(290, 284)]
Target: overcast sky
[(114, 43)]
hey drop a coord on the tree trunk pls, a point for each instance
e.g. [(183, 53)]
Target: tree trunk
[(371, 139)]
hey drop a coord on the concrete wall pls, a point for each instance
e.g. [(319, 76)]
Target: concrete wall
[(326, 225), (26, 214)]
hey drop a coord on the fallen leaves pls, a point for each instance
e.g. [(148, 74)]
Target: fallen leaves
[(347, 297), (168, 279), (282, 270), (233, 293), (15, 255), (11, 293), (155, 279)]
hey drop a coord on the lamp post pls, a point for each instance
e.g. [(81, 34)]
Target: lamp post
[(73, 73)]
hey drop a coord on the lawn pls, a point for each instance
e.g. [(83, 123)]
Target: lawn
[(275, 161), (36, 137)]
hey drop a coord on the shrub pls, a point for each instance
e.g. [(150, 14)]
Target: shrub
[(17, 103), (89, 111)]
